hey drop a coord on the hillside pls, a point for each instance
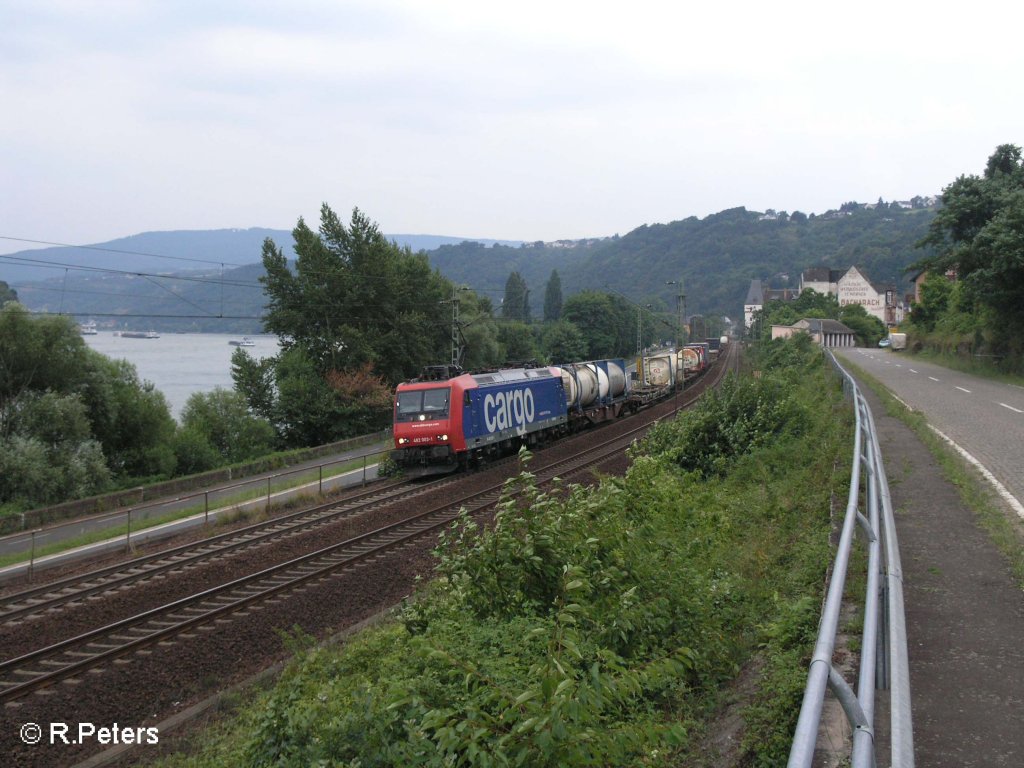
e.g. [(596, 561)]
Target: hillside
[(716, 256), (186, 280)]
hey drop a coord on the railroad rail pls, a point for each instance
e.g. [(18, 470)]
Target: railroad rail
[(183, 618), (53, 595)]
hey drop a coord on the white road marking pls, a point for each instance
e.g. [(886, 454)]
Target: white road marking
[(1015, 410), (1008, 497), (912, 370), (898, 365), (964, 390), (933, 378)]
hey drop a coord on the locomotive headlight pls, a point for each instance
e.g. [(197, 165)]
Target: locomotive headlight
[(403, 440), (442, 438)]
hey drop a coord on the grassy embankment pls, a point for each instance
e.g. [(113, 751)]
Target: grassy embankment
[(600, 626), (985, 367)]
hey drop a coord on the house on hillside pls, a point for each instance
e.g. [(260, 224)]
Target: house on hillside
[(827, 333)]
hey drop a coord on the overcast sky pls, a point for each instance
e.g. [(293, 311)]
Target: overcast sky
[(525, 120)]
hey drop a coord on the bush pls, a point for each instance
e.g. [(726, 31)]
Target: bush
[(220, 421), (740, 417)]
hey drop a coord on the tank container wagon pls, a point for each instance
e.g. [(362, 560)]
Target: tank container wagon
[(447, 424), (672, 368), (701, 352)]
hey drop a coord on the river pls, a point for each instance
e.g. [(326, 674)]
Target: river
[(179, 364)]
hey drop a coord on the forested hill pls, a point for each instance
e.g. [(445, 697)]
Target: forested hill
[(716, 256)]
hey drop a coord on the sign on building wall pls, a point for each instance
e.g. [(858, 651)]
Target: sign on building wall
[(854, 289)]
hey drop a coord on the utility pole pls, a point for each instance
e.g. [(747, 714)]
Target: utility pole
[(639, 335), (457, 339), (681, 311)]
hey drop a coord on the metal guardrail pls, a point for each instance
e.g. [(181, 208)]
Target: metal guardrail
[(883, 663)]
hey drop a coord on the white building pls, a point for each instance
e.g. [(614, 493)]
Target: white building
[(853, 287)]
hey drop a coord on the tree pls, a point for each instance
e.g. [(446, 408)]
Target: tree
[(516, 304), (979, 233), (606, 322), (223, 420), (868, 328), (37, 353), (130, 418), (553, 298), (354, 303), (7, 293), (935, 296), (47, 453), (354, 297), (480, 332), (517, 343), (563, 343)]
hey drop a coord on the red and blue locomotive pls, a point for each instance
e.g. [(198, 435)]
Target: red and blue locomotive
[(443, 422)]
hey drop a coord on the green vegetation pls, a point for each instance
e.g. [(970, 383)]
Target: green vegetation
[(74, 423), (596, 626), (7, 293), (716, 256), (972, 301), (516, 303), (355, 315), (553, 298)]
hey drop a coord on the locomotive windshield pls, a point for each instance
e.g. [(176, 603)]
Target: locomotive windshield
[(422, 404)]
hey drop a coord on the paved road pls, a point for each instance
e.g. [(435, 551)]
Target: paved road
[(984, 417)]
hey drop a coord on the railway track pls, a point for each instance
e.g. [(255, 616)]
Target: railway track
[(184, 619), (52, 596)]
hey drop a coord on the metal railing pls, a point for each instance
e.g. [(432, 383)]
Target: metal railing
[(883, 662), (133, 523)]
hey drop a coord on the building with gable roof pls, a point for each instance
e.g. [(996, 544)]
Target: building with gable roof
[(853, 287)]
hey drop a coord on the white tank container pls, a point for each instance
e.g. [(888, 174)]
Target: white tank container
[(616, 379), (589, 384)]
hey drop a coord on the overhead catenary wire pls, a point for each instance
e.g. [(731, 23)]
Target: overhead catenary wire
[(128, 272), (116, 250), (151, 277)]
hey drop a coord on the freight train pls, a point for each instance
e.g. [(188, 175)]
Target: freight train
[(675, 367), (448, 420)]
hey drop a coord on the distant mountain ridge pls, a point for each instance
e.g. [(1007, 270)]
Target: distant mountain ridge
[(176, 251), (715, 257)]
